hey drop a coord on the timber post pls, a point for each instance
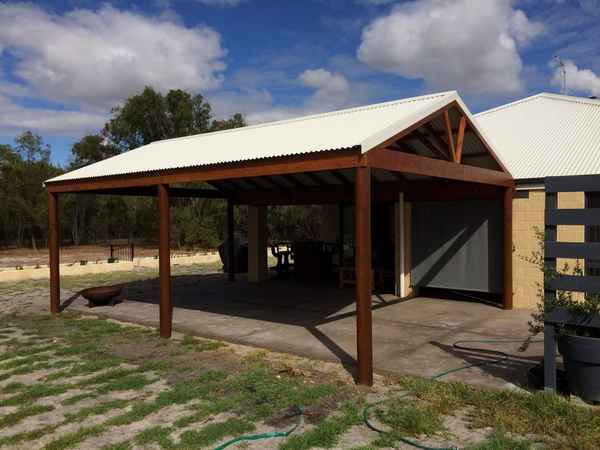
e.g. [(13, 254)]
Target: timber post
[(364, 325), (164, 262), (53, 250)]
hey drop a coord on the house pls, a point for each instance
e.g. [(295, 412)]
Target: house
[(546, 135)]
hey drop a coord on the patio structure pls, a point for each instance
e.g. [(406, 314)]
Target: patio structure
[(421, 149)]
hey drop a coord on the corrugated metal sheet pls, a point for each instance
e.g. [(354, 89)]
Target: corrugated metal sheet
[(546, 135), (365, 126)]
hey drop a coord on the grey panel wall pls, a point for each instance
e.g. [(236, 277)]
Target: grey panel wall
[(457, 245)]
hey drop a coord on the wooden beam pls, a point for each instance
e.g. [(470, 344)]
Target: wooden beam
[(150, 191), (230, 241), (381, 158), (364, 324), (460, 139), (507, 299), (318, 161), (449, 137), (53, 250), (164, 262)]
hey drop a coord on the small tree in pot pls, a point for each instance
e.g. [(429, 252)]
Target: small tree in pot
[(579, 343)]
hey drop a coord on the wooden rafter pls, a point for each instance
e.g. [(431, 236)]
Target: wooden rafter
[(314, 178), (460, 139), (295, 182), (340, 177), (449, 137), (430, 145), (274, 182), (251, 182), (440, 143)]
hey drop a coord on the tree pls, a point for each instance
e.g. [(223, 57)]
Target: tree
[(150, 116), (90, 149), (23, 170), (31, 147)]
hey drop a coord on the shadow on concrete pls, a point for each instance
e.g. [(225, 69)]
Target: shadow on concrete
[(302, 304)]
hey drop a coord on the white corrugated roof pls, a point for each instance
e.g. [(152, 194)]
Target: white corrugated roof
[(546, 135), (364, 126)]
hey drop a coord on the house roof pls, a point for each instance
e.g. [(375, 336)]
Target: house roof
[(362, 127), (546, 135)]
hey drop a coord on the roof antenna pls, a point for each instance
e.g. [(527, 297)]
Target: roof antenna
[(563, 74)]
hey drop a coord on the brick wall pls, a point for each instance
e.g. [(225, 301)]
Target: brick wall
[(528, 213)]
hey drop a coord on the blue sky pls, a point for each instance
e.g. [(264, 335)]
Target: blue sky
[(65, 63)]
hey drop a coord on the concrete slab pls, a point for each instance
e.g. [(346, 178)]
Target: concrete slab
[(318, 321)]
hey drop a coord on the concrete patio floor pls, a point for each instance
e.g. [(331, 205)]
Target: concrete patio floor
[(318, 321)]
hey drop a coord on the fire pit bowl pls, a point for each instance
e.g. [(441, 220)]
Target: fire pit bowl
[(102, 295)]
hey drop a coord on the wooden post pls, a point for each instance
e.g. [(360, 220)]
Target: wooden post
[(53, 250), (230, 242), (364, 326), (164, 262), (507, 301), (257, 244)]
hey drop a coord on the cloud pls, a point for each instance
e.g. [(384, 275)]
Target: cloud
[(96, 58), (580, 80), (15, 118), (332, 89), (437, 41)]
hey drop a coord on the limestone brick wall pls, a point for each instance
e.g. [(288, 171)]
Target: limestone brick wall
[(528, 213)]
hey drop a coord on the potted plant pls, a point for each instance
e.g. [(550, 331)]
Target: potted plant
[(579, 335)]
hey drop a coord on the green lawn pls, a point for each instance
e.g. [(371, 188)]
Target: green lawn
[(118, 386)]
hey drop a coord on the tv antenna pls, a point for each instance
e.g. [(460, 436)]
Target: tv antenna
[(563, 74)]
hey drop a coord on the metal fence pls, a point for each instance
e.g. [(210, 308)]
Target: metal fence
[(122, 252), (589, 251)]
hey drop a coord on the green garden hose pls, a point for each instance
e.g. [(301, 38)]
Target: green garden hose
[(299, 412), (501, 357)]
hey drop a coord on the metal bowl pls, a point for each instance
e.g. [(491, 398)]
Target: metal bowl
[(101, 295)]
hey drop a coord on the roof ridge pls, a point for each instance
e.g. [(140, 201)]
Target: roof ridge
[(549, 95), (316, 116), (509, 105)]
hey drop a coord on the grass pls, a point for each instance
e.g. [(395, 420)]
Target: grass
[(8, 420), (252, 391)]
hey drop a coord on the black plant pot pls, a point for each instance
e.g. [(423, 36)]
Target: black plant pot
[(581, 356)]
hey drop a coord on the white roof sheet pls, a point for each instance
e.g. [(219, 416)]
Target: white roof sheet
[(546, 135), (364, 126)]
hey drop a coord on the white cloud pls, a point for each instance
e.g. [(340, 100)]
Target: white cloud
[(451, 44), (332, 89), (96, 58), (15, 118), (580, 80)]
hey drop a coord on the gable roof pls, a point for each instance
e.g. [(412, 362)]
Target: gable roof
[(362, 127), (546, 135)]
